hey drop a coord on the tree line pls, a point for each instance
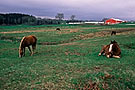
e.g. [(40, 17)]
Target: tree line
[(17, 18)]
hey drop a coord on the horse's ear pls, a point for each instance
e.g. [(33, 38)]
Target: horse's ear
[(114, 41), (111, 41)]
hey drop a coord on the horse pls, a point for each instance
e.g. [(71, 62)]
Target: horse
[(113, 33), (111, 50), (58, 29), (27, 41)]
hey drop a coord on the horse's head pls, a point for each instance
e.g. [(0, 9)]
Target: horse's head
[(111, 48), (20, 52), (113, 33)]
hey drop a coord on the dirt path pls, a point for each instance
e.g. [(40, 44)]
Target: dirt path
[(102, 33), (66, 30), (12, 32), (107, 33)]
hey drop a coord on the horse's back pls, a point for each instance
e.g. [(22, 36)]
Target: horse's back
[(31, 37), (117, 50), (30, 40), (34, 37)]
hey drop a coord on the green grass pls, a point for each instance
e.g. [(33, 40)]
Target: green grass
[(66, 67)]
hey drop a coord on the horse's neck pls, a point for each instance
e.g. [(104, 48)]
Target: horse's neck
[(110, 47), (21, 43), (21, 46), (116, 47)]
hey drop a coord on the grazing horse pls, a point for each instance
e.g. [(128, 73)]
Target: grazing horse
[(27, 41), (111, 50), (113, 33), (58, 29)]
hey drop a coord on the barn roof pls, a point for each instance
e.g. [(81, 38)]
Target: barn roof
[(116, 19)]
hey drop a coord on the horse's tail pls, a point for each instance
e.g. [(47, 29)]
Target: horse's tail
[(34, 45), (35, 38)]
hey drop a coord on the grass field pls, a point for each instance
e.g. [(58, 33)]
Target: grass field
[(67, 59)]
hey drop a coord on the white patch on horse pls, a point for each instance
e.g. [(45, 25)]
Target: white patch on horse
[(99, 54), (110, 48), (116, 56), (108, 56)]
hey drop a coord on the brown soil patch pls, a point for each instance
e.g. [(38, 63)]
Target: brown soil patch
[(105, 32), (100, 34), (66, 30), (108, 33), (11, 32), (96, 34), (71, 43), (125, 30), (90, 85), (119, 29)]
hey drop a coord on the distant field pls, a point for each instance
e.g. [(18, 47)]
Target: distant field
[(67, 59)]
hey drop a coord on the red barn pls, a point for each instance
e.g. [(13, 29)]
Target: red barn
[(113, 21)]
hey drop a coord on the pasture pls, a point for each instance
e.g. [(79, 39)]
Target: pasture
[(67, 59)]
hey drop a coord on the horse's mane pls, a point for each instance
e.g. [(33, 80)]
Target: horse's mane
[(21, 42)]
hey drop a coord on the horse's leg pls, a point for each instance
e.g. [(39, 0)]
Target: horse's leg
[(111, 34), (108, 56), (102, 50), (33, 48), (116, 56), (24, 51), (30, 50)]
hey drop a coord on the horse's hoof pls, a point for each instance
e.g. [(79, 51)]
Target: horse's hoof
[(20, 56), (108, 56), (31, 54), (99, 54)]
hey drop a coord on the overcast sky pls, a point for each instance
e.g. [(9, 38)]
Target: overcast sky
[(83, 9)]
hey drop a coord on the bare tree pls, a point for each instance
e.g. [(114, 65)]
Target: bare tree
[(104, 19), (72, 17), (59, 16)]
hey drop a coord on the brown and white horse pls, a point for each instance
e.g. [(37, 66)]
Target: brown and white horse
[(27, 41), (111, 50)]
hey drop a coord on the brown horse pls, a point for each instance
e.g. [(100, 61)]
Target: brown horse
[(111, 50), (27, 42), (58, 29), (113, 33)]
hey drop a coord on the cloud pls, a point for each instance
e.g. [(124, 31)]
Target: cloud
[(83, 9)]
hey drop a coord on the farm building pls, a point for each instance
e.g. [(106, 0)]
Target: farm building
[(113, 21), (96, 22), (86, 22), (73, 23)]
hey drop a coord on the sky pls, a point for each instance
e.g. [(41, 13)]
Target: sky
[(82, 9)]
